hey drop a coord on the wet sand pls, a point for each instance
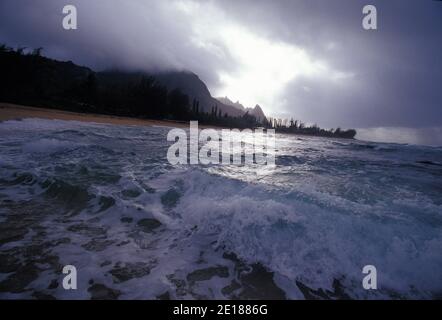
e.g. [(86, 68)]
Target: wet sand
[(10, 111)]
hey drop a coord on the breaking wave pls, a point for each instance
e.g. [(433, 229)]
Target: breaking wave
[(105, 199)]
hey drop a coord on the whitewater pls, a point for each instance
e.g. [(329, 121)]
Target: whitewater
[(104, 199)]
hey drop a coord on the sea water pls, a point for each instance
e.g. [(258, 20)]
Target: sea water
[(104, 198)]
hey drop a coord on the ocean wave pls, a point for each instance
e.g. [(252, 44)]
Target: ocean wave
[(302, 241), (75, 193), (48, 146)]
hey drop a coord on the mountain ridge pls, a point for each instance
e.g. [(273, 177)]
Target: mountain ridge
[(256, 111), (190, 84)]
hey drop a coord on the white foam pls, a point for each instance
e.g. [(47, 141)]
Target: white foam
[(321, 217)]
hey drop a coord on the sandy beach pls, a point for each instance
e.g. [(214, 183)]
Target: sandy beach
[(10, 111)]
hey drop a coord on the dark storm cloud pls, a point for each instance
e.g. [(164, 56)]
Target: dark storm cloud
[(141, 34), (397, 70)]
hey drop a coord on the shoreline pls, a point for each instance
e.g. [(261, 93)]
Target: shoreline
[(10, 111)]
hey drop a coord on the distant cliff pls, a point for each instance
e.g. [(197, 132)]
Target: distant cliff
[(31, 79), (256, 111), (195, 88)]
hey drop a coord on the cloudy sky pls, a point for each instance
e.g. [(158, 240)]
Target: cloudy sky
[(310, 59)]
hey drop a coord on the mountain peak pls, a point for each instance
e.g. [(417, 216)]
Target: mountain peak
[(257, 112), (229, 102)]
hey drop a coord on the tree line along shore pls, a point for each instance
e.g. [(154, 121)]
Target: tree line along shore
[(28, 78)]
